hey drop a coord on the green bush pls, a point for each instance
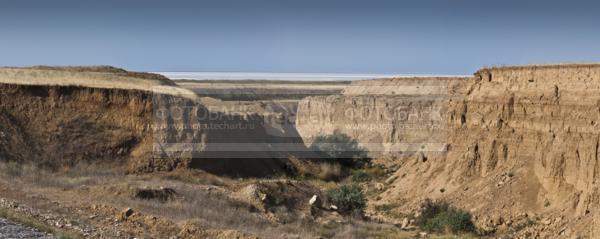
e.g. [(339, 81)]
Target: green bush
[(441, 217), (360, 176), (341, 148), (348, 198)]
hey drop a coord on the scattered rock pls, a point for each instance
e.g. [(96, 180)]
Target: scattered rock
[(14, 230), (126, 213), (391, 179), (315, 201), (499, 220), (263, 196), (565, 231), (546, 221), (405, 223), (558, 219), (333, 207), (379, 186)]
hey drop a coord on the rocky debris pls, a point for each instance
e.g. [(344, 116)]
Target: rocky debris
[(404, 224), (263, 196), (546, 221), (333, 207), (315, 201), (504, 178), (282, 200), (268, 194), (10, 229), (564, 232), (391, 179), (51, 219), (126, 213)]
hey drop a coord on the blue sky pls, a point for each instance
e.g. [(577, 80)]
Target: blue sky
[(408, 37)]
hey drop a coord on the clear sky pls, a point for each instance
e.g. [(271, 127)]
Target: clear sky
[(369, 36)]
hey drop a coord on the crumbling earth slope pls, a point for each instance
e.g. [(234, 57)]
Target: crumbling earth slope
[(523, 152)]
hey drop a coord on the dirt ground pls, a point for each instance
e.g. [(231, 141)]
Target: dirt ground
[(88, 202)]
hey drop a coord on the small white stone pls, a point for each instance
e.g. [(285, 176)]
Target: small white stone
[(313, 200)]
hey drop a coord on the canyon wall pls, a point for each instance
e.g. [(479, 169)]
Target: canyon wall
[(522, 141), (388, 117), (58, 117), (520, 145)]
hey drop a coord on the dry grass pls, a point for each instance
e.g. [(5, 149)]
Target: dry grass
[(212, 208), (63, 179), (94, 79), (108, 69)]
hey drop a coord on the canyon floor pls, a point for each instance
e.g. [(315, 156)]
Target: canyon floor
[(89, 202)]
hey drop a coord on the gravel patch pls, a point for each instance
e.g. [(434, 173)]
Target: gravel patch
[(11, 230)]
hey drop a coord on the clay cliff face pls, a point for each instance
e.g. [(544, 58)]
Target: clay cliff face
[(61, 117), (388, 117), (546, 117), (523, 143), (63, 125), (522, 146)]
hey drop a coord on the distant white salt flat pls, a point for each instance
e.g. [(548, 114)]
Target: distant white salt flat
[(284, 76)]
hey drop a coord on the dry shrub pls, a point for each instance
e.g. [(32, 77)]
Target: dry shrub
[(348, 198), (439, 216), (317, 169), (160, 194), (330, 172), (340, 148)]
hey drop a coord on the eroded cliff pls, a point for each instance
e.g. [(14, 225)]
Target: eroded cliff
[(60, 117), (388, 117), (522, 147)]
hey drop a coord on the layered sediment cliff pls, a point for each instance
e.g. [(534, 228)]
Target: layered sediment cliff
[(388, 117), (60, 117), (522, 146)]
